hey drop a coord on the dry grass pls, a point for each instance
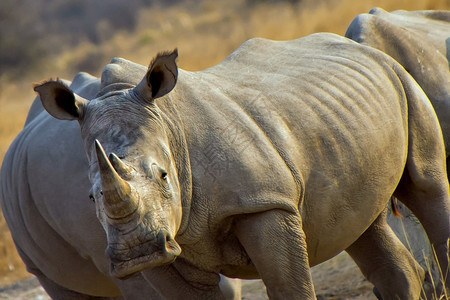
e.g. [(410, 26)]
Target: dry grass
[(442, 277), (436, 275), (204, 34)]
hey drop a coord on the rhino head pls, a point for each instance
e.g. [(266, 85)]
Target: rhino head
[(133, 174)]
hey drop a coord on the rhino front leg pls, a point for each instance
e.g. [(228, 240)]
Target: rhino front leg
[(386, 263), (180, 280), (275, 242)]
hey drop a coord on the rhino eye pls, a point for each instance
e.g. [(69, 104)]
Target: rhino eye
[(164, 175)]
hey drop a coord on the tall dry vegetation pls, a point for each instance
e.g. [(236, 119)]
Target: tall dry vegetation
[(72, 36)]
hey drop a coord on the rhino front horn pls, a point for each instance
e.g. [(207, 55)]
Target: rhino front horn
[(119, 201)]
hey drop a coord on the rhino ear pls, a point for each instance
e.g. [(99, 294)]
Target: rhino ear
[(161, 76), (59, 101)]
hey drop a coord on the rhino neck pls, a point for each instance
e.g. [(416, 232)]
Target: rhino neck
[(177, 140)]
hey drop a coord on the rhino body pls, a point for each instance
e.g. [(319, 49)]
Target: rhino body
[(263, 166), (420, 42)]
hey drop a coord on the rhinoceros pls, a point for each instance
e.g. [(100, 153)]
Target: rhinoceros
[(271, 162), (419, 41), (44, 192)]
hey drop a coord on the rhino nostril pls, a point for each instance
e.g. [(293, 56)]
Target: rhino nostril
[(168, 238), (163, 238)]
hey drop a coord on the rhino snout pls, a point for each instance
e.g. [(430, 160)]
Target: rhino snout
[(125, 260)]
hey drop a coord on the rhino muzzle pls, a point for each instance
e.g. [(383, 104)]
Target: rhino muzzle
[(119, 199), (160, 250), (132, 245)]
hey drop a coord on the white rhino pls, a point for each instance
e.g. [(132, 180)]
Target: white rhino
[(271, 162), (420, 42), (44, 192)]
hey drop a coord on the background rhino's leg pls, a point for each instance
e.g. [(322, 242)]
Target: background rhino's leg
[(276, 244), (386, 263), (424, 186), (411, 233), (231, 287)]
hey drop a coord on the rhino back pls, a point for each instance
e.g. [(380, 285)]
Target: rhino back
[(425, 27), (433, 25)]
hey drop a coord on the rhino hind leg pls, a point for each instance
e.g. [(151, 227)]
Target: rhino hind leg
[(386, 262), (424, 187), (433, 212)]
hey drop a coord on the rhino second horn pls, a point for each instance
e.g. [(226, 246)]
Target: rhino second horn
[(123, 169), (119, 201)]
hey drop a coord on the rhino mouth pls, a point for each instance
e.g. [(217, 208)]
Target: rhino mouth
[(164, 254), (123, 269)]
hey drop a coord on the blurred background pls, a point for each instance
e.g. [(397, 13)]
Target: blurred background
[(40, 39)]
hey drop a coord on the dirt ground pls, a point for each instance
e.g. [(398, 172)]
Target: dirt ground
[(336, 279)]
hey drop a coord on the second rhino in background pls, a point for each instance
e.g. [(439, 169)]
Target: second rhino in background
[(420, 42), (45, 200)]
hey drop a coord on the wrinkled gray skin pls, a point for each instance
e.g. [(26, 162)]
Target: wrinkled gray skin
[(45, 201), (265, 165), (420, 42)]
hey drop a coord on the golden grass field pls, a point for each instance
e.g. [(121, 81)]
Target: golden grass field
[(204, 35)]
